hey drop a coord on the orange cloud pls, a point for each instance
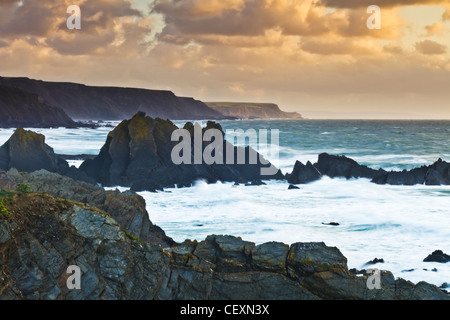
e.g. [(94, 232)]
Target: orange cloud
[(430, 47)]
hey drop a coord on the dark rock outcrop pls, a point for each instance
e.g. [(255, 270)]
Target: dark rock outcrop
[(127, 208), (304, 173), (19, 108), (375, 261), (138, 154), (27, 151), (341, 166), (438, 256), (45, 235), (436, 174), (252, 110), (112, 103)]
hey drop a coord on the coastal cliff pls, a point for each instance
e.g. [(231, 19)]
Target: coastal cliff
[(19, 108), (252, 110), (83, 102)]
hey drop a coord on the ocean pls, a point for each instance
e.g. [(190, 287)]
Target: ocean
[(401, 224)]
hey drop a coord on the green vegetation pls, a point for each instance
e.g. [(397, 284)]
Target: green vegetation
[(3, 210), (132, 237), (24, 188)]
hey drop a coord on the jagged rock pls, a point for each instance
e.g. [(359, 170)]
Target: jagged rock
[(270, 257), (127, 208), (138, 154), (305, 259), (304, 173), (46, 235), (436, 174), (26, 151), (6, 183), (341, 166), (375, 261), (437, 256)]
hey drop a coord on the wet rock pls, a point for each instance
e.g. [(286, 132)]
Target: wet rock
[(292, 187), (341, 166), (304, 173), (334, 224), (375, 261), (438, 256), (436, 174)]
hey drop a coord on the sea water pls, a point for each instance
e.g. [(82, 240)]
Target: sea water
[(401, 224)]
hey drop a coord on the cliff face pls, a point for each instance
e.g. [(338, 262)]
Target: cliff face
[(19, 108), (252, 110), (111, 103)]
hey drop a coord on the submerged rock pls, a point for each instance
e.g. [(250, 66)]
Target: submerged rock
[(375, 261), (334, 224), (437, 256)]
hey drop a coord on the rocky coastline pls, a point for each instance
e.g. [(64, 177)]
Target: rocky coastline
[(53, 216), (42, 235)]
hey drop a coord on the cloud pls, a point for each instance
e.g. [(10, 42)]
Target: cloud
[(435, 29), (430, 47), (380, 3), (229, 22), (45, 23)]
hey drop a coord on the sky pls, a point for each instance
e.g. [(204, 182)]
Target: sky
[(316, 57)]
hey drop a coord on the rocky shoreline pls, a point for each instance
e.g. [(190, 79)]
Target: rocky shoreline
[(53, 216), (43, 235)]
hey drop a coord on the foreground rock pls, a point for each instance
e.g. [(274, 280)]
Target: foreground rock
[(127, 208), (43, 236), (138, 154)]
